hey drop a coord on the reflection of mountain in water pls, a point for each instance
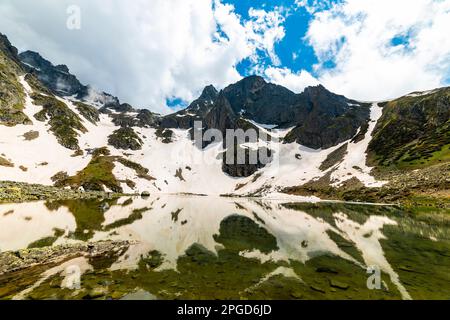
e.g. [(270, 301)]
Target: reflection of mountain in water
[(230, 248)]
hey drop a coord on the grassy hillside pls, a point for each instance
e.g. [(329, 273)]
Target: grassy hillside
[(12, 96), (414, 132)]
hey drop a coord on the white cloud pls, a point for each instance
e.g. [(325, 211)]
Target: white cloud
[(296, 82), (147, 51), (356, 35), (144, 51), (265, 29)]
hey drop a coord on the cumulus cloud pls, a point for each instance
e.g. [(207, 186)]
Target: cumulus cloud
[(356, 38), (144, 51), (295, 81)]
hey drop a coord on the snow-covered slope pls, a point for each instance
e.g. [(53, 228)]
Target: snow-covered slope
[(179, 166)]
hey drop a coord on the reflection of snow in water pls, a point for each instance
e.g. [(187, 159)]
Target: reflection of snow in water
[(24, 223), (158, 231), (280, 271), (71, 278), (367, 239), (172, 224)]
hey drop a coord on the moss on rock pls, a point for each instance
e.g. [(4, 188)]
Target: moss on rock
[(98, 174), (64, 123), (125, 139), (90, 113), (12, 95)]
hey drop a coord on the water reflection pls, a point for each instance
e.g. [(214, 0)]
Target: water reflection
[(212, 247)]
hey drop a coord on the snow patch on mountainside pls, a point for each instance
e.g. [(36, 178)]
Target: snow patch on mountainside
[(35, 161), (179, 166), (354, 164)]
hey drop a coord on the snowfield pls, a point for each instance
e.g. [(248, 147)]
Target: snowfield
[(180, 166)]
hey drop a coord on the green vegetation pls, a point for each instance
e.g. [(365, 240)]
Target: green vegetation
[(415, 159), (125, 139), (12, 95), (48, 241), (413, 132), (136, 215), (140, 170), (16, 192), (421, 263), (89, 215), (63, 122), (98, 174), (36, 85), (88, 112), (239, 233)]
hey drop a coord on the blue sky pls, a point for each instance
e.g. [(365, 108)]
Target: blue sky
[(160, 54), (293, 51)]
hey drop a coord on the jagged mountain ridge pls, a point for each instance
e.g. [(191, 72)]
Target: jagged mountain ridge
[(312, 112), (114, 146), (321, 119)]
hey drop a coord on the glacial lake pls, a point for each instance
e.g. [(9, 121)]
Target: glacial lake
[(193, 247)]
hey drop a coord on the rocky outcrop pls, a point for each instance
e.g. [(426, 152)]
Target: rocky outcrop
[(88, 112), (330, 119), (98, 174), (321, 119), (9, 50), (11, 192), (263, 102), (12, 96), (125, 139), (196, 111), (57, 78), (222, 117), (64, 123), (139, 118), (28, 258)]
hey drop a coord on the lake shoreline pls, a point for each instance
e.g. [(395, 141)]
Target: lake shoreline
[(392, 194), (20, 260)]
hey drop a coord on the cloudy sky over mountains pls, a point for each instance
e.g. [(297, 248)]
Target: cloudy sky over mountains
[(161, 53)]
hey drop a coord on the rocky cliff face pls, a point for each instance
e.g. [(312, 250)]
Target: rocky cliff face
[(57, 78), (330, 119), (321, 119), (12, 98), (196, 111)]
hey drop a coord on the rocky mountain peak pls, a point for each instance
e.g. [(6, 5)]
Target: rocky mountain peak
[(315, 89), (56, 78), (35, 60), (209, 93), (63, 68), (250, 84), (8, 49), (221, 115)]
